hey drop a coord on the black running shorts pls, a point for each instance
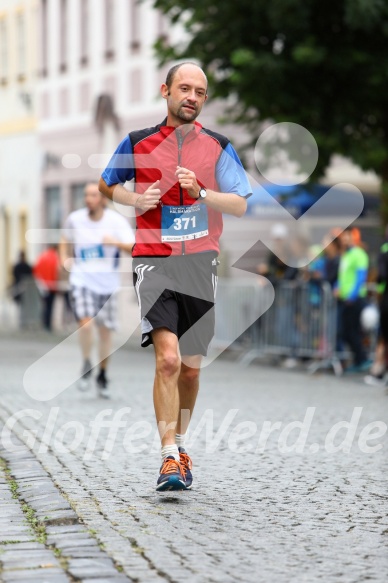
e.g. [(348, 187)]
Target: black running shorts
[(178, 293)]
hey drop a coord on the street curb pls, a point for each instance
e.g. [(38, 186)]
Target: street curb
[(44, 542)]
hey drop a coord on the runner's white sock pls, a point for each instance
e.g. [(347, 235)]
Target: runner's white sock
[(170, 450), (180, 439)]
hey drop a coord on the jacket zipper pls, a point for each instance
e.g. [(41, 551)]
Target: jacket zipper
[(180, 144)]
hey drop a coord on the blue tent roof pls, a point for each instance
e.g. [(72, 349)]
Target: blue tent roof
[(297, 199)]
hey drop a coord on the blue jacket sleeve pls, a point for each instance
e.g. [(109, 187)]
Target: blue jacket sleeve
[(121, 166), (230, 174), (361, 276)]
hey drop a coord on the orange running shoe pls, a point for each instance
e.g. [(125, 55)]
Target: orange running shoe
[(187, 465), (171, 476)]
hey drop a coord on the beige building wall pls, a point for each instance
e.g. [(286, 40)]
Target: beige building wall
[(19, 152)]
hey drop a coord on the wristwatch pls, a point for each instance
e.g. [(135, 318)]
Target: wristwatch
[(202, 193)]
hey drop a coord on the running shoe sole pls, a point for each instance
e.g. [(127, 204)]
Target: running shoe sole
[(373, 381), (103, 393), (173, 483), (84, 384)]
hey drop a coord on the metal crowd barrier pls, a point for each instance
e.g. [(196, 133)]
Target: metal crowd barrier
[(238, 305), (301, 323)]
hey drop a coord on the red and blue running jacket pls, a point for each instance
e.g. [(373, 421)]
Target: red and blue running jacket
[(179, 225)]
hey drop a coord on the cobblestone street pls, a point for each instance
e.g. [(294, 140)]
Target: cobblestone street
[(259, 510)]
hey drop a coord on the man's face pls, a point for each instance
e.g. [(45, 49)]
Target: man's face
[(187, 94), (93, 198), (346, 239)]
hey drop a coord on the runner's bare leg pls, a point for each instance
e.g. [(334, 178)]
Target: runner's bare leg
[(188, 386), (105, 347), (166, 396), (86, 337)]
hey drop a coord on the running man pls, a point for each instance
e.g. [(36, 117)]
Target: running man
[(91, 243), (185, 177)]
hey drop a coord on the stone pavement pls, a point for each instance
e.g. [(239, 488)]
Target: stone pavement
[(41, 538), (82, 506)]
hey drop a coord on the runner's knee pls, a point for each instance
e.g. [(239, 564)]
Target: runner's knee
[(85, 322), (168, 364)]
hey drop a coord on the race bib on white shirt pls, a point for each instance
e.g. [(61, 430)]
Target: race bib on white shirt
[(92, 252), (96, 265)]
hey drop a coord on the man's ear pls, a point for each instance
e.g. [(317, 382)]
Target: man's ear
[(164, 91)]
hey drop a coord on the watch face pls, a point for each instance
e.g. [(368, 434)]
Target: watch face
[(202, 193)]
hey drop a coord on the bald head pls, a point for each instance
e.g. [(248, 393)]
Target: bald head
[(91, 187), (188, 65), (185, 91), (94, 200)]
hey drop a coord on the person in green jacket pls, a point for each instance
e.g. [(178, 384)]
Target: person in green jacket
[(351, 292)]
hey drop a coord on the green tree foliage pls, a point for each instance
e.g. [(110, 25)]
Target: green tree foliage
[(321, 64)]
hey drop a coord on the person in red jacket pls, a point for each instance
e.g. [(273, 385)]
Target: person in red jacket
[(46, 272), (185, 177)]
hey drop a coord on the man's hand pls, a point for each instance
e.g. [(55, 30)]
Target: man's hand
[(67, 264), (109, 240), (188, 181), (150, 199), (65, 257)]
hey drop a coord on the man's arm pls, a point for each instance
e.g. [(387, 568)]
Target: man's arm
[(117, 193), (223, 202), (119, 170), (126, 247), (145, 202), (65, 250)]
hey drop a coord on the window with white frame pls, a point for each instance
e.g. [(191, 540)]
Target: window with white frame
[(109, 29), (3, 51), (77, 196), (53, 207), (63, 36), (84, 31), (21, 45), (135, 24), (44, 37)]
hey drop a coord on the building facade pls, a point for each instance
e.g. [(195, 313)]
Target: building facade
[(19, 151), (98, 80), (75, 77)]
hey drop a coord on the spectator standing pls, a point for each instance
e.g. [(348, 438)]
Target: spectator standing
[(332, 254), (379, 368), (351, 292), (22, 284), (21, 270), (46, 273), (273, 268)]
